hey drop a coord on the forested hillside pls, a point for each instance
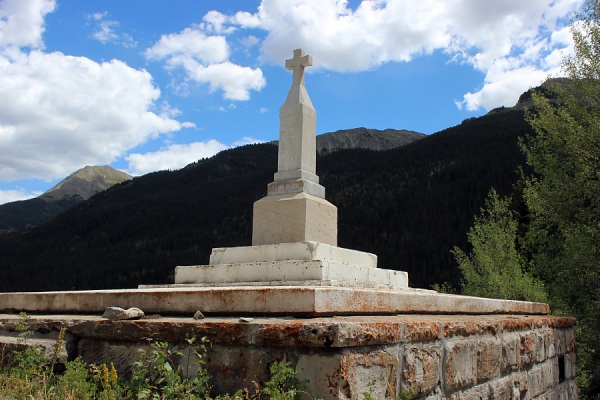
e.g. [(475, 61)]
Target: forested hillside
[(408, 205)]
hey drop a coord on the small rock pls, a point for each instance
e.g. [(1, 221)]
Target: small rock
[(244, 319), (118, 313), (198, 315)]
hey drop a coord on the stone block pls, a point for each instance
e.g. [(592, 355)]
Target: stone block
[(570, 365), (528, 349), (550, 373), (540, 378), (573, 391), (511, 352), (502, 389), (233, 368), (475, 393), (421, 367), (324, 375), (10, 344), (569, 340), (296, 217), (565, 341), (543, 342), (489, 358), (350, 375), (461, 364), (372, 372), (550, 343), (121, 354)]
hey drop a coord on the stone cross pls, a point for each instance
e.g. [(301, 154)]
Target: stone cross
[(297, 64)]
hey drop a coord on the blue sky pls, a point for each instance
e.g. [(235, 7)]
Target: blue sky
[(146, 85)]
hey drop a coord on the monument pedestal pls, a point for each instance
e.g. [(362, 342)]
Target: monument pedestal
[(290, 264), (294, 217)]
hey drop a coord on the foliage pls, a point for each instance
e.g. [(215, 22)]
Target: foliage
[(405, 394), (494, 268), (158, 374), (284, 383)]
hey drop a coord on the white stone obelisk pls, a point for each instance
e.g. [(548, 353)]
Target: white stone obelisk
[(295, 209)]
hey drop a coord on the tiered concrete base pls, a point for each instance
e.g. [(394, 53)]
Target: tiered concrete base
[(289, 264)]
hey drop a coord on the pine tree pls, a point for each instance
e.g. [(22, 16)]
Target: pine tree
[(494, 268)]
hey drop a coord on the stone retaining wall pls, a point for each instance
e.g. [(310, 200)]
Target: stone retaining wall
[(430, 356)]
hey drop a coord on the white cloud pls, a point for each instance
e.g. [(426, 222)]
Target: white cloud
[(215, 22), (505, 40), (61, 112), (22, 22), (204, 59), (190, 43), (249, 41), (234, 80), (106, 32), (508, 77), (7, 196), (247, 140), (173, 157), (246, 19)]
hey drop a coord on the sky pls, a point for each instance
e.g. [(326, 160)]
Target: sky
[(147, 85)]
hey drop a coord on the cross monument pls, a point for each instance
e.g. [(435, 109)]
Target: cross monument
[(294, 229), (295, 209)]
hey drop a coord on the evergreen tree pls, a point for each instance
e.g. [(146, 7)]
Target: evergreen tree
[(494, 268)]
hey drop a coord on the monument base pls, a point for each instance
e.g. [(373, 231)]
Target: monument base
[(289, 264), (294, 217)]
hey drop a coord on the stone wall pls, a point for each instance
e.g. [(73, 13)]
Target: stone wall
[(428, 356)]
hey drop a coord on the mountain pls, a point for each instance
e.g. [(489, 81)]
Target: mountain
[(363, 138), (86, 182), (74, 189), (409, 205)]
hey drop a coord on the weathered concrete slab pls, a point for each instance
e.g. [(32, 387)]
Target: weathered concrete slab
[(291, 300)]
